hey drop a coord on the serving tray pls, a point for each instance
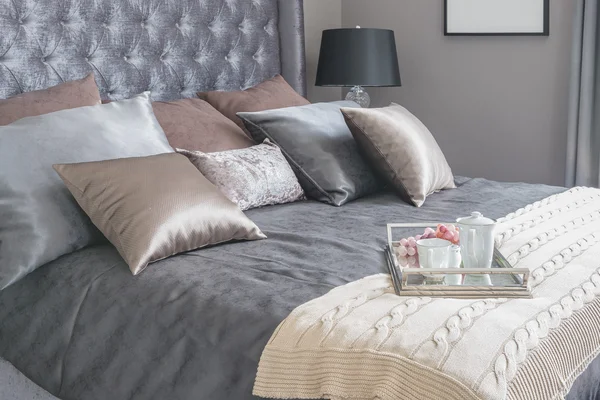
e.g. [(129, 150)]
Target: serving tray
[(505, 281)]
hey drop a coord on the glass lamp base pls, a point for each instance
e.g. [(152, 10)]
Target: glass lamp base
[(358, 95)]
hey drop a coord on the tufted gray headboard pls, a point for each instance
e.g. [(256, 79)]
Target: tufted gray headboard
[(173, 48)]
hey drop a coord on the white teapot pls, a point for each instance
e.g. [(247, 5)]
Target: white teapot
[(476, 240)]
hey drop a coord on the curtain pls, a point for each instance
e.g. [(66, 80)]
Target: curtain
[(583, 136)]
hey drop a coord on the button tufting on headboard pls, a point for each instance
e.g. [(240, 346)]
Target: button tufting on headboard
[(172, 47)]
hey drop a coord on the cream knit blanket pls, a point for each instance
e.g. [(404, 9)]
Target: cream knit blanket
[(360, 341)]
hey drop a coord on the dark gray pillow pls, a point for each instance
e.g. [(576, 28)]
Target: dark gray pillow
[(39, 219), (320, 148)]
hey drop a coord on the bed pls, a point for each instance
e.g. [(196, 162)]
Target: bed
[(193, 325)]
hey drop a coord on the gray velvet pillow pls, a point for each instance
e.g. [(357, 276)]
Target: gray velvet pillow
[(39, 219), (319, 147)]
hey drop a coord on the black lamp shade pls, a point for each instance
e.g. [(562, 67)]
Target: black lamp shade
[(358, 57)]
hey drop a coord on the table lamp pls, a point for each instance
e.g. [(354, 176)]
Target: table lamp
[(357, 57)]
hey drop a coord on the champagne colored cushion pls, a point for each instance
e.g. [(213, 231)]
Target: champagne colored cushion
[(193, 124), (39, 220), (401, 149), (73, 94), (154, 207), (318, 145), (270, 94), (253, 177)]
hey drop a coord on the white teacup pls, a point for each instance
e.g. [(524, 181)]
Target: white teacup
[(434, 253)]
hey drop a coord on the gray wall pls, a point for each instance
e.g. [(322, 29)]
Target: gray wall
[(319, 15), (496, 105)]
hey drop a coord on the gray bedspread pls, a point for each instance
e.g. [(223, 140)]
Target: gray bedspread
[(193, 326)]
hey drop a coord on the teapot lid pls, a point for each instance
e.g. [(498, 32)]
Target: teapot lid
[(477, 219)]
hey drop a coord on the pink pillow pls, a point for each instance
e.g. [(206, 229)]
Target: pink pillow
[(270, 94), (79, 93), (193, 124)]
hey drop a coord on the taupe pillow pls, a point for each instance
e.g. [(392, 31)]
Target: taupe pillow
[(401, 149), (268, 95), (253, 177), (194, 124), (73, 94), (154, 207)]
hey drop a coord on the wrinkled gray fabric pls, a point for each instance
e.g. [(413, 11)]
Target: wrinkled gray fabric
[(39, 219), (173, 48), (16, 386), (587, 385), (320, 148), (193, 326)]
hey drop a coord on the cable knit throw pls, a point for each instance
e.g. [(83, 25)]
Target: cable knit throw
[(361, 341)]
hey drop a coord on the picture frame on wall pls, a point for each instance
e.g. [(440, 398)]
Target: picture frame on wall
[(497, 17)]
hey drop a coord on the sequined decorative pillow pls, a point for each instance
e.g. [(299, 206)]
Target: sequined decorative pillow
[(253, 177)]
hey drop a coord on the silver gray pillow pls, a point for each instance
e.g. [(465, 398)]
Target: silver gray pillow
[(39, 219), (319, 147), (253, 177)]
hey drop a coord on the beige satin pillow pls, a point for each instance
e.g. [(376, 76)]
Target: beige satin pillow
[(401, 149), (154, 207), (254, 177)]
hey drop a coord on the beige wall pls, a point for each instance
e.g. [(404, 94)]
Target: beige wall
[(319, 15), (497, 105)]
